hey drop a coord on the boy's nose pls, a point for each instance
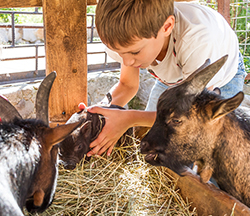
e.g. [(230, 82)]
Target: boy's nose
[(128, 61)]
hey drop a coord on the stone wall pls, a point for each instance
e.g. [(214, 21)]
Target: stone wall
[(22, 95)]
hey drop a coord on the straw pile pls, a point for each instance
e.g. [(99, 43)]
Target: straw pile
[(122, 184)]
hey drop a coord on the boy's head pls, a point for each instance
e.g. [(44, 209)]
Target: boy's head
[(120, 22)]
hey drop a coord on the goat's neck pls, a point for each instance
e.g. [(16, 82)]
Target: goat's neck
[(233, 143), (231, 156), (232, 132), (18, 167), (219, 136), (8, 203)]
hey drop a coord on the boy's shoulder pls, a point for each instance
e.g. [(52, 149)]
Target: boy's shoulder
[(194, 5), (192, 18), (194, 8)]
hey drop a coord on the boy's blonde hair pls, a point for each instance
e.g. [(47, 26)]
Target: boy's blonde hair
[(121, 21)]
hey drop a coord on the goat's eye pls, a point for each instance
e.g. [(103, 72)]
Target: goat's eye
[(173, 121), (176, 121), (77, 148)]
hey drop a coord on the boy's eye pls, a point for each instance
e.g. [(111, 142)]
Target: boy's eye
[(135, 53)]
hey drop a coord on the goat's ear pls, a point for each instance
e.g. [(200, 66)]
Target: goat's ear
[(52, 136), (86, 130), (217, 91), (198, 80), (7, 111), (225, 106)]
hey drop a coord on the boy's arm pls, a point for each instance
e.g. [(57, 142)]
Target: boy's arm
[(127, 86), (118, 121)]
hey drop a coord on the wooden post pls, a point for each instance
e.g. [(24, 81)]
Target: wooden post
[(66, 53), (224, 9)]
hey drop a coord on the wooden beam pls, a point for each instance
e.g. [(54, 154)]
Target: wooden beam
[(224, 9), (92, 2), (29, 3), (20, 3), (66, 53)]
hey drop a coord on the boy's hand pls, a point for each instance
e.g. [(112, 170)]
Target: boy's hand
[(115, 126)]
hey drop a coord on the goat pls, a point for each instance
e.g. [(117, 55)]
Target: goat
[(194, 124), (28, 156), (74, 147)]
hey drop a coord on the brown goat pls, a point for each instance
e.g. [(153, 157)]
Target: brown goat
[(76, 145), (28, 156), (194, 124)]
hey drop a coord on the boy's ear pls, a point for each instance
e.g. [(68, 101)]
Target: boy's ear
[(168, 25)]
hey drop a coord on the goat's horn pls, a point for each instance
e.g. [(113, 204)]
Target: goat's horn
[(198, 80), (42, 98), (7, 111)]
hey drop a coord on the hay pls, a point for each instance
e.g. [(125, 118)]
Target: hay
[(122, 184)]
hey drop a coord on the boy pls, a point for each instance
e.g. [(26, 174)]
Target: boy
[(171, 40)]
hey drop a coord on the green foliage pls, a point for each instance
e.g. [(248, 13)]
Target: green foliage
[(21, 18), (247, 64), (240, 14), (240, 22), (6, 18), (91, 9)]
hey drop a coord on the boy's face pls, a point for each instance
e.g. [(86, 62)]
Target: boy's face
[(143, 52)]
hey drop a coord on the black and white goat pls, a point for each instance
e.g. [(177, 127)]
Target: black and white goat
[(28, 155)]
